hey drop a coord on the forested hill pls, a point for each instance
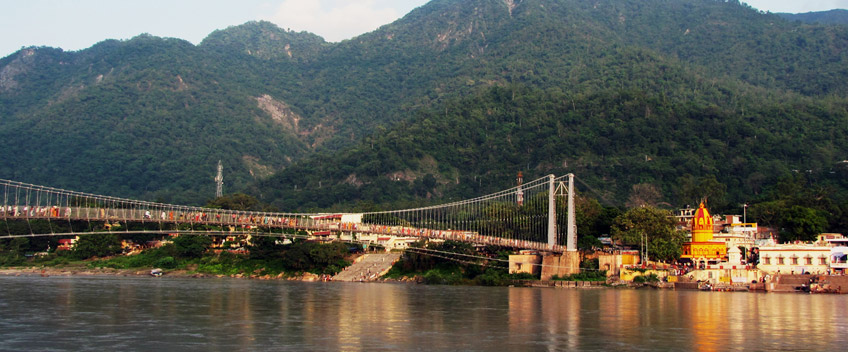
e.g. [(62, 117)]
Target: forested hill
[(150, 117), (838, 16)]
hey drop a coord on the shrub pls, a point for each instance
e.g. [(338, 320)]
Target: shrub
[(166, 263), (587, 275), (97, 245), (641, 279), (192, 246)]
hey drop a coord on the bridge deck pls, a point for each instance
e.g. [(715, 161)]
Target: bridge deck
[(233, 224)]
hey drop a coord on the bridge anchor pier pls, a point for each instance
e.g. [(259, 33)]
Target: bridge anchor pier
[(525, 263), (560, 264)]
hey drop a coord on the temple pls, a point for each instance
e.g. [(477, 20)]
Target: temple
[(702, 250)]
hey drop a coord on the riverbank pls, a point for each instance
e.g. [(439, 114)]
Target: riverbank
[(784, 284), (306, 277), (181, 273)]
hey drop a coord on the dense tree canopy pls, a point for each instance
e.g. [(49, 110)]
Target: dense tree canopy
[(97, 245), (683, 99), (664, 242)]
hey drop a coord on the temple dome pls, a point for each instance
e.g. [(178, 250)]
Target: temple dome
[(702, 225)]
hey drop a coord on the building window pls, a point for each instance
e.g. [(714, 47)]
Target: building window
[(767, 261), (780, 261), (822, 261), (809, 261), (794, 260)]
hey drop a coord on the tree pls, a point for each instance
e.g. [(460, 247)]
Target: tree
[(238, 201), (801, 224), (768, 213), (265, 248), (192, 246), (694, 191), (97, 245), (316, 257), (664, 241)]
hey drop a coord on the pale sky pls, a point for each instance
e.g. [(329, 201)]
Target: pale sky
[(79, 24)]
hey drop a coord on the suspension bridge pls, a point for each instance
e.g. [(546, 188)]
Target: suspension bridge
[(538, 215)]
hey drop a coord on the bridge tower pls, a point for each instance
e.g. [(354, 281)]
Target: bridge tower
[(571, 232), (569, 262), (219, 181), (560, 190)]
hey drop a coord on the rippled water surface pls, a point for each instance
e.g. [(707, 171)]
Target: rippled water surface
[(140, 313)]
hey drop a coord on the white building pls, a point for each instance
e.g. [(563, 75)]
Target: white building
[(799, 258)]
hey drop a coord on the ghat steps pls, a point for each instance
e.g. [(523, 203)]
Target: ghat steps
[(368, 267)]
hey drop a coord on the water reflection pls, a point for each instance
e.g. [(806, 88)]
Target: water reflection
[(685, 320), (139, 313)]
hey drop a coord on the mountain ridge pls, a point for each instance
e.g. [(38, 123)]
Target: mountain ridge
[(835, 16), (149, 117)]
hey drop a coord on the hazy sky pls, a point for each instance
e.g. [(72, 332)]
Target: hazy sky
[(79, 24)]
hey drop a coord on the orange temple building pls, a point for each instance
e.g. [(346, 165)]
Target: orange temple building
[(702, 250)]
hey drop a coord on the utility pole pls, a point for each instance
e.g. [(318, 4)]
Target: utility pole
[(219, 181)]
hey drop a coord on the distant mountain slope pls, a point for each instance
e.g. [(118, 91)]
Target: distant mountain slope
[(266, 41), (150, 117), (838, 16), (613, 138)]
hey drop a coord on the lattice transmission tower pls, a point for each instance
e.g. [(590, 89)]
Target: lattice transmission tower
[(219, 181)]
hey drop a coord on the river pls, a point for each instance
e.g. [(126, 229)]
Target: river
[(139, 313)]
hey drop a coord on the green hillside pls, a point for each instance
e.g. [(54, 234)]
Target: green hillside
[(451, 100), (838, 16), (147, 118)]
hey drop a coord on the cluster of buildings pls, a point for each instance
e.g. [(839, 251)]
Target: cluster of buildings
[(725, 249), (725, 241)]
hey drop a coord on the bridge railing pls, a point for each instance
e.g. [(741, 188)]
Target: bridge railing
[(516, 217), (27, 201)]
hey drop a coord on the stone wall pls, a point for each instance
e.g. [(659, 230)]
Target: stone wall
[(525, 263), (560, 265)]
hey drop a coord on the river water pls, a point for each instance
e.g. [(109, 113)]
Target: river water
[(140, 313)]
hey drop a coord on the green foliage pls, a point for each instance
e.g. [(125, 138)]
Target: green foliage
[(650, 278), (664, 241), (97, 245), (56, 259), (444, 276), (706, 189), (190, 246), (166, 263), (18, 245), (802, 224), (412, 261), (584, 275), (444, 267), (591, 264), (801, 209), (317, 258), (11, 259), (146, 259), (238, 201), (836, 16), (265, 248), (588, 272), (624, 92)]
